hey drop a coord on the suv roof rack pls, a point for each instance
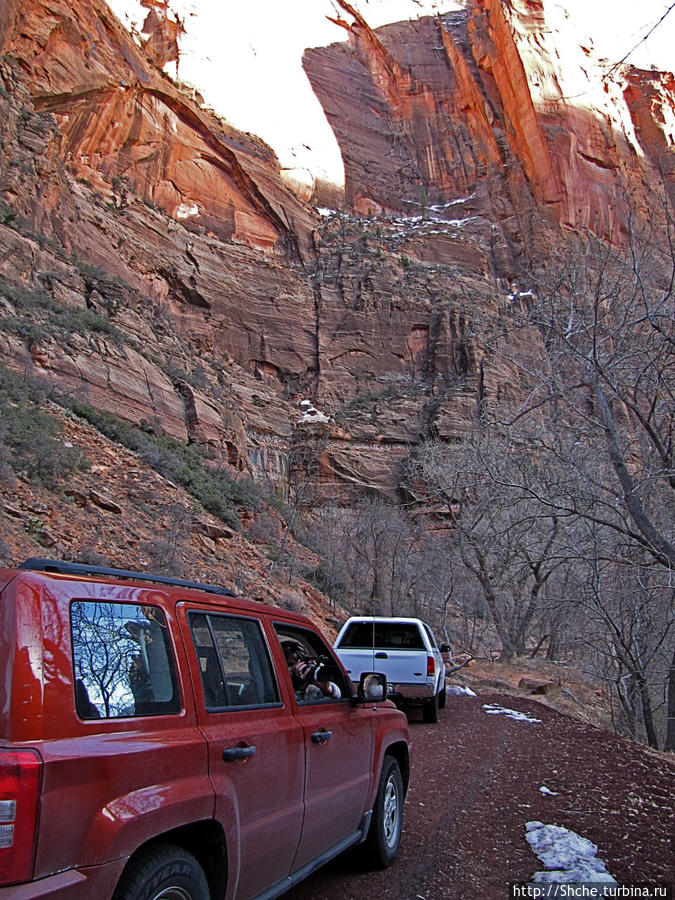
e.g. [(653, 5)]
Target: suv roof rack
[(35, 564)]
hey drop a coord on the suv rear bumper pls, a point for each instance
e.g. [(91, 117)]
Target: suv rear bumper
[(74, 884)]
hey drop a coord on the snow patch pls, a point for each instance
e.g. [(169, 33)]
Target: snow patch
[(568, 857), (185, 210), (311, 415), (458, 690), (549, 793), (494, 709)]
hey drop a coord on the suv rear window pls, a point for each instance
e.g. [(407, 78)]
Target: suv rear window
[(122, 661), (387, 636)]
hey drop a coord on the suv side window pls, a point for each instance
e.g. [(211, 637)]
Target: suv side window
[(122, 661), (315, 675), (234, 662)]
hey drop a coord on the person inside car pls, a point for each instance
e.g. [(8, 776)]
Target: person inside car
[(309, 676)]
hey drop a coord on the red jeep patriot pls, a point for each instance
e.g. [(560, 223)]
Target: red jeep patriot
[(154, 743)]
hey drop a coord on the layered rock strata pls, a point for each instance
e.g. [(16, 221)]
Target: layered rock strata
[(489, 105), (155, 264)]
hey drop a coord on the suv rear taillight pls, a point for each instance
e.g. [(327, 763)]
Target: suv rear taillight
[(431, 667), (19, 790)]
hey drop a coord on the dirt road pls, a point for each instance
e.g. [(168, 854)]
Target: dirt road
[(475, 783)]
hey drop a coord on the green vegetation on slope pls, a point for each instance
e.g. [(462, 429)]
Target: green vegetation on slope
[(184, 464)]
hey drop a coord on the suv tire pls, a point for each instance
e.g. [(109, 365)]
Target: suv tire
[(385, 829), (163, 872)]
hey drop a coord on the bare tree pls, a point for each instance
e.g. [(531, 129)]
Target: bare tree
[(601, 393), (372, 550), (626, 627), (505, 539), (591, 344)]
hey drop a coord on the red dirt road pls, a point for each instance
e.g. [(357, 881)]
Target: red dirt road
[(475, 783)]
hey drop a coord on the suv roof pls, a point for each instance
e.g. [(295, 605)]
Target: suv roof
[(36, 564), (81, 572)]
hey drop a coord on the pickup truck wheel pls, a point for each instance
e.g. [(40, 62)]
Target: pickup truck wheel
[(430, 710), (163, 872), (441, 697), (385, 829)]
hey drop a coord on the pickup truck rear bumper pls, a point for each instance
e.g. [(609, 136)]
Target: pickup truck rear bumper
[(413, 691)]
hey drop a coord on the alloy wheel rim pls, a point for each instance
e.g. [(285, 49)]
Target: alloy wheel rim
[(173, 892), (391, 812)]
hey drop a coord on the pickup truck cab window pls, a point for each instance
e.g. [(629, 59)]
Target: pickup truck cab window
[(384, 635), (234, 663), (123, 661)]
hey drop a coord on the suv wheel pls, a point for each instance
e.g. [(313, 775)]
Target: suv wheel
[(163, 872), (385, 829)]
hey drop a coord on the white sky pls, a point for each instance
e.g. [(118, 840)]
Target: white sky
[(245, 57)]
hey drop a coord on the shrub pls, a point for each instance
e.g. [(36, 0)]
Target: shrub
[(184, 464), (29, 436), (55, 320), (325, 578)]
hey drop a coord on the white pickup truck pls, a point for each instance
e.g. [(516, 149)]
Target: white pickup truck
[(403, 649)]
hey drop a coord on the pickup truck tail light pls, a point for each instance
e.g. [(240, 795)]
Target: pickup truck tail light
[(431, 666), (20, 773)]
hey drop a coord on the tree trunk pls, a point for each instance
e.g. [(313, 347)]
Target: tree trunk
[(647, 715), (670, 725), (659, 547)]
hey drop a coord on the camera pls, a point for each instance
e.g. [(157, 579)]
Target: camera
[(314, 668), (318, 669)]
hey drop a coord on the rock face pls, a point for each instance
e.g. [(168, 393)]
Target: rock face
[(124, 126), (155, 264), (491, 105)]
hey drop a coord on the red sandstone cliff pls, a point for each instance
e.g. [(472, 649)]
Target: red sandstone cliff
[(487, 104), (120, 197), (120, 118)]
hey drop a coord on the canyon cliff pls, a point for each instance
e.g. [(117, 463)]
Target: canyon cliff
[(489, 106), (212, 300)]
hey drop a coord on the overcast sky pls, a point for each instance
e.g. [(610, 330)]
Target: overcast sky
[(245, 57)]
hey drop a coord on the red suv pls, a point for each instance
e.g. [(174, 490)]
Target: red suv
[(166, 739)]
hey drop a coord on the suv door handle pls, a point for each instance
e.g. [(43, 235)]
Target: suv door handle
[(232, 753), (381, 655), (320, 737)]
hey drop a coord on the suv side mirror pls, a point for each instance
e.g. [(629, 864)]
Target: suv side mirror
[(372, 687), (445, 648)]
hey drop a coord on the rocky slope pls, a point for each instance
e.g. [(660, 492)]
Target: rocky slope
[(118, 511), (205, 299)]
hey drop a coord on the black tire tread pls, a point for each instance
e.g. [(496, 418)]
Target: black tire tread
[(138, 879), (374, 846), (430, 710)]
